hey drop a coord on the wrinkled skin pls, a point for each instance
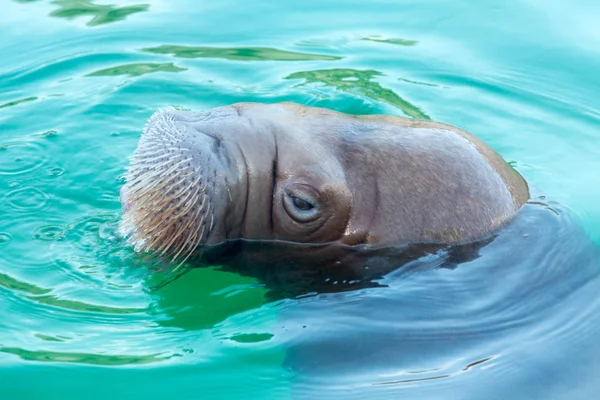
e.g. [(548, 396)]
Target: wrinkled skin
[(286, 172)]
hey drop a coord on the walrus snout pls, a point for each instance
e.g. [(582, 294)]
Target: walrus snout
[(173, 191)]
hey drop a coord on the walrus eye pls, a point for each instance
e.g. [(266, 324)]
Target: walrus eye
[(302, 204)]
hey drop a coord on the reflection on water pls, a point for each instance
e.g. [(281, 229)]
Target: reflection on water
[(137, 69), (205, 297), (417, 82), (11, 283), (17, 102), (42, 296), (49, 338), (396, 41), (81, 306), (251, 337), (520, 321), (358, 82), (238, 53), (82, 358), (100, 13)]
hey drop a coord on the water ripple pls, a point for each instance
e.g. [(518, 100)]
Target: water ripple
[(27, 198), (20, 157), (5, 237), (51, 233), (519, 321)]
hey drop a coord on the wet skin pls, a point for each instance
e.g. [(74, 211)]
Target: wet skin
[(303, 179)]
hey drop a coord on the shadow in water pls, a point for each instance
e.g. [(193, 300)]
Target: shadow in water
[(520, 320), (100, 13), (291, 270), (358, 82)]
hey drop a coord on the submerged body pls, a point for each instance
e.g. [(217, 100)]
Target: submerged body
[(291, 173)]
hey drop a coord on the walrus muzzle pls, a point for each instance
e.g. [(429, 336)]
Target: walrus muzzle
[(168, 199)]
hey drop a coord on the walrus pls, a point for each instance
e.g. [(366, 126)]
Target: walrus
[(288, 173)]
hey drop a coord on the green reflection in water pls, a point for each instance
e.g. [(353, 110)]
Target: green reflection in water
[(251, 337), (238, 53), (73, 305), (41, 296), (48, 338), (397, 41), (82, 358), (358, 82), (418, 83), (17, 102), (204, 297), (11, 283), (101, 13), (138, 69)]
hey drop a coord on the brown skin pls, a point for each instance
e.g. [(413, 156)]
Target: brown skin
[(311, 175), (376, 179)]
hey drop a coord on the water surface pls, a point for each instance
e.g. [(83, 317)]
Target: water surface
[(78, 80)]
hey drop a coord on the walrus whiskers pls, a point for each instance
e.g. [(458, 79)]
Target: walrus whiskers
[(191, 242), (138, 183), (172, 239), (188, 199), (192, 249), (155, 166), (182, 229), (192, 237), (169, 199), (145, 182), (150, 154), (147, 220), (156, 188)]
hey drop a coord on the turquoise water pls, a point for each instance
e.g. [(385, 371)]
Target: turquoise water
[(78, 80)]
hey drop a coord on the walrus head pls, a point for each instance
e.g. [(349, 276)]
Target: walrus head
[(285, 172)]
